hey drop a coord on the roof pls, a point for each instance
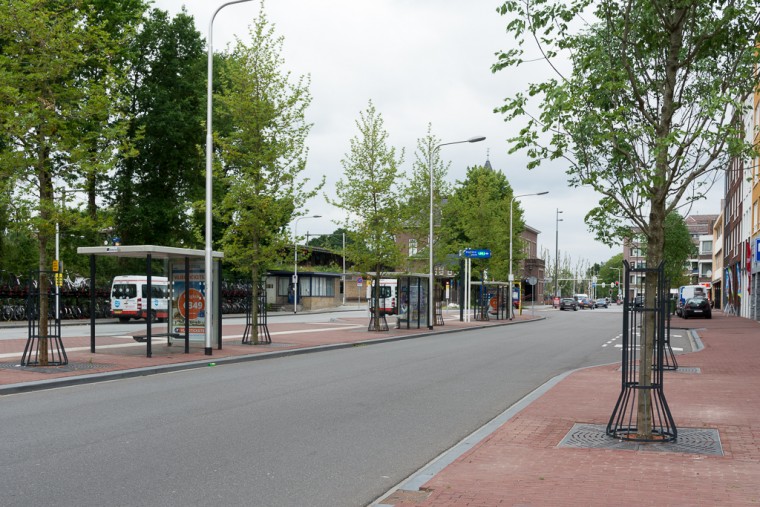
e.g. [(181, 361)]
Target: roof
[(142, 251)]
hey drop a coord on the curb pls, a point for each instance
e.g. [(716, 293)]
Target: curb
[(93, 378)]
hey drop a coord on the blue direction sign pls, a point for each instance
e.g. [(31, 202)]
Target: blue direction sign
[(473, 253)]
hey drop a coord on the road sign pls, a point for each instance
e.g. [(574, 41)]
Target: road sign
[(359, 281), (532, 280), (473, 253)]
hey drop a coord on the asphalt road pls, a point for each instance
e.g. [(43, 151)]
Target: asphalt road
[(333, 428)]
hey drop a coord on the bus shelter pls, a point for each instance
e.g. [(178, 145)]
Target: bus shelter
[(187, 304)]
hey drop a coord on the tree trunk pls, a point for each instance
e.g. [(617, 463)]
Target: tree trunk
[(255, 304), (376, 297), (46, 205), (655, 246)]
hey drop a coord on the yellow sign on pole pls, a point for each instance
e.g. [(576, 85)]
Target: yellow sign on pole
[(55, 266)]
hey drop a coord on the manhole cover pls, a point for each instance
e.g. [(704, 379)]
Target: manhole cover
[(690, 440), (71, 366)]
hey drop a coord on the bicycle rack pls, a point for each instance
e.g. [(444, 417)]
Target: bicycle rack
[(44, 346)]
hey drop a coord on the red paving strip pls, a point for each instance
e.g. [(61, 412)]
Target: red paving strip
[(114, 353), (520, 464)]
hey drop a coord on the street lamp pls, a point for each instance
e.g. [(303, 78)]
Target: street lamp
[(295, 264), (431, 302), (208, 263), (556, 255), (511, 276)]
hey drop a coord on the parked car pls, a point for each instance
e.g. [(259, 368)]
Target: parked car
[(602, 303), (586, 303), (568, 304), (697, 307)]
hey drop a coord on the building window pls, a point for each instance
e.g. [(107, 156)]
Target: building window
[(706, 247), (316, 286), (412, 247)]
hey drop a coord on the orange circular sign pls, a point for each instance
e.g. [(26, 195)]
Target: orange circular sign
[(197, 303)]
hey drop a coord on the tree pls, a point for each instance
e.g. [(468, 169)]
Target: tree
[(369, 193), (155, 185), (651, 107), (415, 191), (59, 83), (262, 152), (477, 216)]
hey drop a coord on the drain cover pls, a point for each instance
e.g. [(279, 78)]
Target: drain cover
[(690, 440)]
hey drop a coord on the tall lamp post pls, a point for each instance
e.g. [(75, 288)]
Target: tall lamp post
[(295, 264), (208, 264), (431, 286), (511, 276), (556, 255)]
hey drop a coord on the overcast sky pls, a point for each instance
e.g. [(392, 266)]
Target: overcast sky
[(420, 62)]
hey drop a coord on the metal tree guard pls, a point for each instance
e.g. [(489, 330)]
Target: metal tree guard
[(637, 320), (261, 301), (44, 346)]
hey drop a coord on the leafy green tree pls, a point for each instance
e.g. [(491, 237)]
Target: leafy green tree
[(369, 193), (477, 216), (332, 241), (650, 108), (49, 99), (156, 183), (415, 192), (263, 154)]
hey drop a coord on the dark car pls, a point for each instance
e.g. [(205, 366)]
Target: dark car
[(697, 307), (586, 303), (568, 304), (602, 303)]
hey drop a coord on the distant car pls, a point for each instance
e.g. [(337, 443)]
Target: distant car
[(602, 303), (568, 304), (586, 303), (697, 307)]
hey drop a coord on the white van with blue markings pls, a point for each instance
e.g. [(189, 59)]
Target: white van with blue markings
[(129, 297)]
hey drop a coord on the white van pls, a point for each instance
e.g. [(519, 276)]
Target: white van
[(388, 297), (129, 297), (686, 292)]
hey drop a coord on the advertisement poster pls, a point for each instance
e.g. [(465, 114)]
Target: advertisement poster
[(194, 290)]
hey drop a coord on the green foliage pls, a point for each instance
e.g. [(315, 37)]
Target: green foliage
[(333, 241), (369, 193), (649, 108), (415, 207), (153, 188), (59, 106), (477, 216), (262, 150)]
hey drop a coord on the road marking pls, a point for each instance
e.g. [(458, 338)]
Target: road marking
[(227, 337)]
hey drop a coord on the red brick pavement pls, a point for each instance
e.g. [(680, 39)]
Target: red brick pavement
[(122, 353), (520, 464)]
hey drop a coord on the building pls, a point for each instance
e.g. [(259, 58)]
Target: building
[(717, 260), (701, 231), (532, 266)]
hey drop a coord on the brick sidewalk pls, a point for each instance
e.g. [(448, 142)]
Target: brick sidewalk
[(520, 464), (116, 354)]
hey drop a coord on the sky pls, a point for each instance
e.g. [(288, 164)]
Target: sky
[(420, 62)]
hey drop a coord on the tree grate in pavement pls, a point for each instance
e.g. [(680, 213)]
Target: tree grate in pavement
[(690, 440), (71, 366)]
